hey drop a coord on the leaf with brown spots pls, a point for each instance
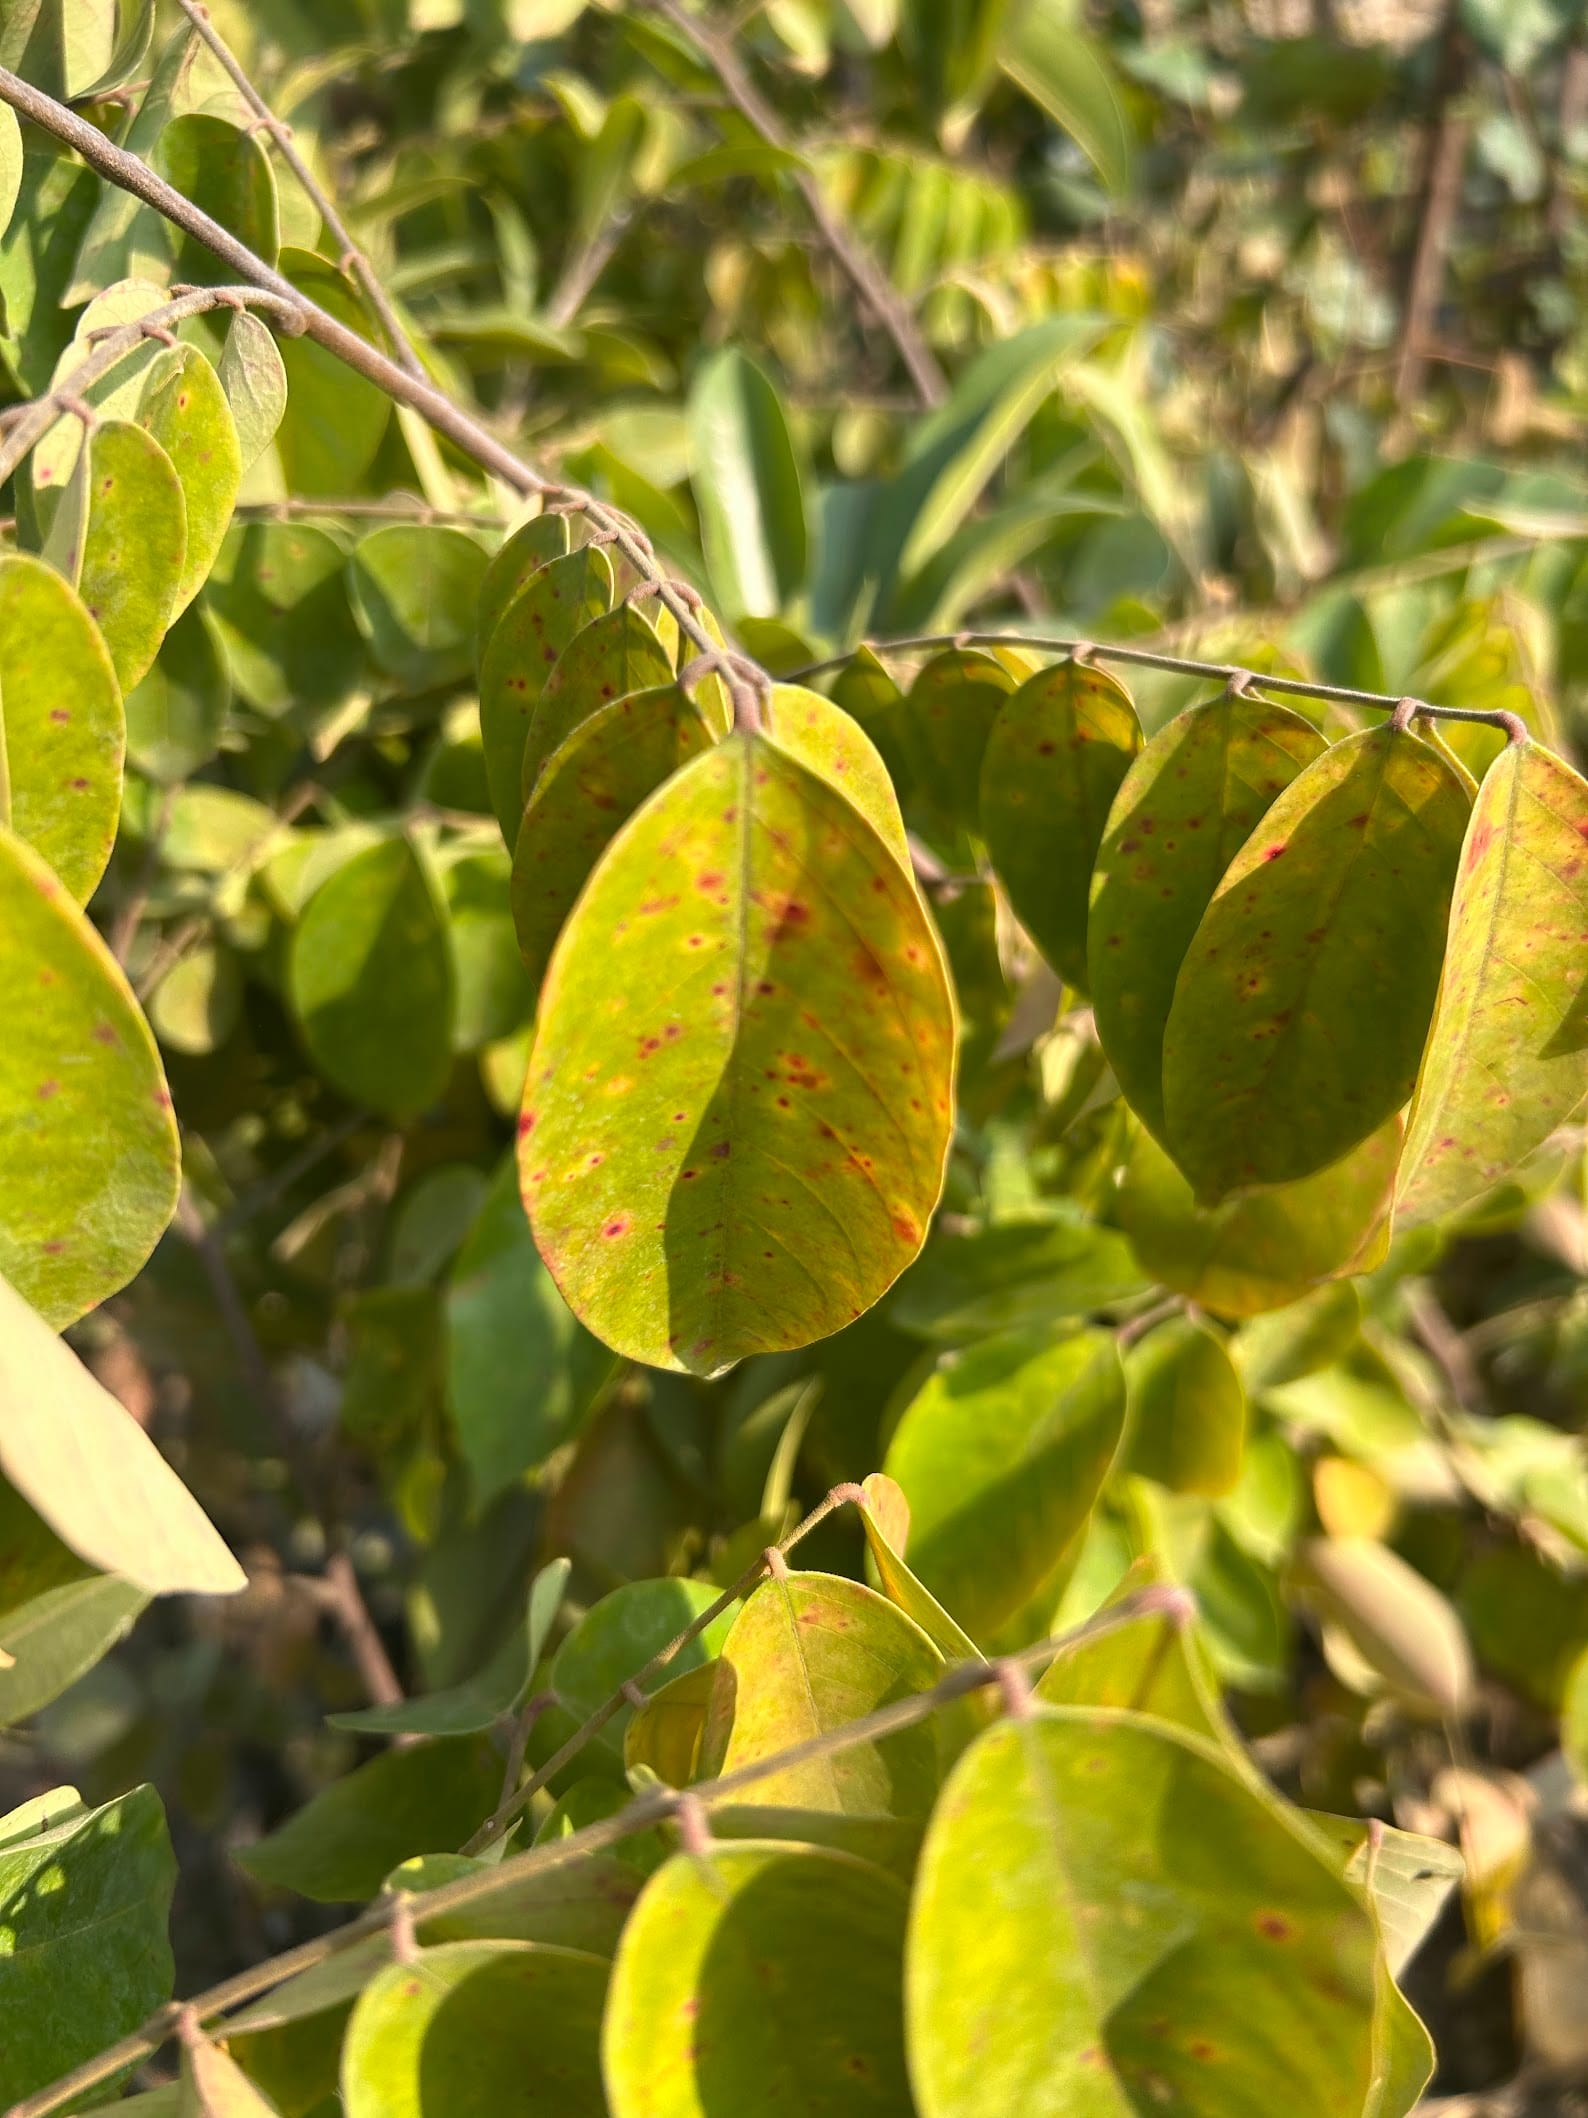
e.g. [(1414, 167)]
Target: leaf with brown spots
[(760, 1977), (586, 792), (1265, 1249), (1186, 807), (836, 748), (62, 730), (1507, 1059), (1108, 1919), (807, 1654), (948, 719), (533, 544), (120, 538), (88, 1145), (555, 604), (1057, 753), (1304, 1000), (184, 407), (612, 658), (740, 1095)]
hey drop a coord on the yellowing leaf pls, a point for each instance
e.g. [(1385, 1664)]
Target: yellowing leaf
[(1186, 1410), (83, 1463), (740, 1094), (88, 1144), (1304, 1000), (1507, 1058)]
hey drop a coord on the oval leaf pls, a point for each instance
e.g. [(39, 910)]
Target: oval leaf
[(557, 602), (747, 483), (613, 656), (532, 545), (184, 407), (1507, 1058), (62, 730), (89, 1158), (372, 982), (1186, 1408), (415, 587), (1396, 1621), (1186, 807), (1304, 1000), (1058, 752), (947, 722), (833, 745), (120, 536), (742, 1152), (761, 1976)]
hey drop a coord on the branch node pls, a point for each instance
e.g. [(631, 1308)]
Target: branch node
[(1014, 1687), (1083, 651), (1238, 682), (633, 1694), (689, 1815), (158, 331), (848, 1495), (404, 1941), (776, 1565), (1406, 711)]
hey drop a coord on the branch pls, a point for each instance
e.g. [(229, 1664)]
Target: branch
[(1439, 205), (862, 269), (1404, 710), (449, 419), (1172, 1604), (352, 259)]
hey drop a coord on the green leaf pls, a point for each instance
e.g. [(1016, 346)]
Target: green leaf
[(611, 658), (1507, 1059), (10, 166), (1186, 1410), (832, 744), (184, 407), (1397, 1622), (470, 1708), (415, 589), (1152, 1664), (226, 173), (523, 1374), (255, 383), (176, 713), (767, 1140), (1302, 1007), (806, 1655), (747, 486), (1028, 1987), (1015, 1276), (1265, 1249), (585, 792), (116, 394), (120, 538), (85, 1464), (371, 981), (557, 601), (88, 1150), (469, 2029), (885, 1519), (1058, 751), (1069, 75), (1001, 1455), (949, 718), (1186, 807), (335, 421), (61, 725), (83, 1906), (760, 1977), (665, 1733), (1408, 1875), (279, 599), (58, 1636), (615, 1639), (533, 544), (213, 2085), (346, 1839)]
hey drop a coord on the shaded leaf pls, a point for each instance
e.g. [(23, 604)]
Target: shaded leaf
[(1152, 1664), (1187, 1410), (1186, 807), (213, 2085), (1001, 1455), (61, 725), (415, 588), (1507, 1058), (616, 1637), (279, 598), (614, 656), (88, 1150), (58, 1636), (223, 170), (255, 383), (780, 1097), (532, 545), (1302, 1006), (1396, 1621), (1058, 751), (335, 420), (1016, 1275), (1068, 74), (176, 713), (665, 1734), (371, 980), (948, 720), (557, 601)]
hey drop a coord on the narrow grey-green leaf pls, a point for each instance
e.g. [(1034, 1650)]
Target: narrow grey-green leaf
[(747, 486), (58, 1636)]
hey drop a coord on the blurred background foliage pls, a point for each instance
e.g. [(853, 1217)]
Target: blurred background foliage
[(1261, 334)]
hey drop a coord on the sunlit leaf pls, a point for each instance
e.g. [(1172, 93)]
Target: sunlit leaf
[(690, 1135), (255, 383), (885, 1518), (557, 601), (1400, 1625), (1069, 75), (620, 1634), (747, 483), (1305, 997), (120, 538), (1187, 1411), (88, 1150), (184, 407), (612, 657)]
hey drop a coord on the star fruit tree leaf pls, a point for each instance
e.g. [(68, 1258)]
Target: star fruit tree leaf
[(740, 1096)]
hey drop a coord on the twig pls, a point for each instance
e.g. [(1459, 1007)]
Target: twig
[(398, 508), (1229, 673), (338, 1588), (584, 268), (1449, 130), (352, 258), (514, 1806), (641, 1814), (866, 275)]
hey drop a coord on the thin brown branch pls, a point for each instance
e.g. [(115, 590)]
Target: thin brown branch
[(1449, 130), (872, 284), (352, 258), (1172, 1604)]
